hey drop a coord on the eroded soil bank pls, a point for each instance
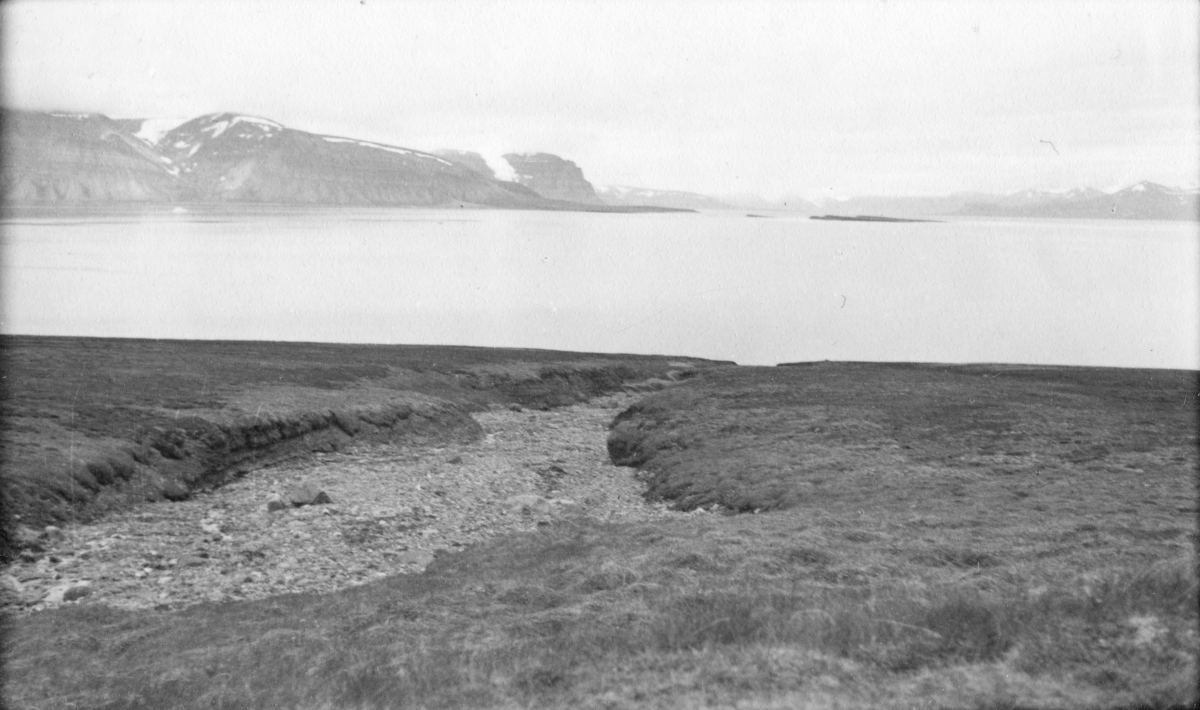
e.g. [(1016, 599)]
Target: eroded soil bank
[(393, 508), (94, 426)]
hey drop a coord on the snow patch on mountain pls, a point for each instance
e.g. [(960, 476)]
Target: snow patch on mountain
[(381, 146), (153, 129), (217, 128), (221, 122), (500, 167), (265, 123)]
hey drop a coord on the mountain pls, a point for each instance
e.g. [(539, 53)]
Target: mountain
[(64, 158), (546, 174), (552, 177), (644, 197), (73, 157), (232, 157), (467, 159), (899, 206), (793, 203), (1145, 200), (627, 195), (1033, 198)]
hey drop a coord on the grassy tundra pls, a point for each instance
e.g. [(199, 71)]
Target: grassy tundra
[(862, 535)]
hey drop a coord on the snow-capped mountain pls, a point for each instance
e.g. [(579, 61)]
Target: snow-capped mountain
[(236, 157), (883, 205), (1145, 200), (231, 157), (1028, 198)]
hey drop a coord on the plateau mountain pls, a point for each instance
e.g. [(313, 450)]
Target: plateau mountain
[(77, 158), (66, 157)]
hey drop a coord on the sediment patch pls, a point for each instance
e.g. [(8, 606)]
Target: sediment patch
[(394, 506), (94, 426)]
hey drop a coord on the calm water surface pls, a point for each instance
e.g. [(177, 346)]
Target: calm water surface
[(720, 285)]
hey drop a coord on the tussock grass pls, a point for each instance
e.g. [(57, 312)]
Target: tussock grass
[(1033, 550), (756, 438), (580, 612)]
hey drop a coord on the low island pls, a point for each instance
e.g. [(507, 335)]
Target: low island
[(868, 218)]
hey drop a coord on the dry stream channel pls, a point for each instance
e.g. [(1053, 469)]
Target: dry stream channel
[(393, 510)]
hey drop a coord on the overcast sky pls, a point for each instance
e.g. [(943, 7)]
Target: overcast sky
[(816, 99)]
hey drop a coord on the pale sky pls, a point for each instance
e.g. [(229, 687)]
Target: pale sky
[(777, 98)]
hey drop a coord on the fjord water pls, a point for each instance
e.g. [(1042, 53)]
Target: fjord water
[(719, 285)]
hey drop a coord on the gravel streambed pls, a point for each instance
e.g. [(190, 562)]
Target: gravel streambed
[(392, 510)]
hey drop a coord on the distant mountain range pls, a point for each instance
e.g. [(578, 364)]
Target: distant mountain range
[(1145, 200), (80, 158), (640, 196), (73, 158)]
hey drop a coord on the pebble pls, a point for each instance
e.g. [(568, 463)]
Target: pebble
[(393, 509)]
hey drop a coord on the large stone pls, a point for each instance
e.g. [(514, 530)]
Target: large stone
[(66, 592), (191, 561), (77, 591), (415, 558), (28, 539), (11, 583), (175, 491), (305, 494), (53, 535)]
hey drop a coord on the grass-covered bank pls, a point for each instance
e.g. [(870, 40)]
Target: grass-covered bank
[(1057, 440), (929, 536), (772, 610), (91, 425)]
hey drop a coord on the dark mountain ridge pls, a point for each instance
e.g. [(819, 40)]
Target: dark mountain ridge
[(72, 159), (61, 157)]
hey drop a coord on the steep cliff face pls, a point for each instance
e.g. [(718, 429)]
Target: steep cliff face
[(231, 157), (56, 157), (475, 161), (467, 159), (552, 177)]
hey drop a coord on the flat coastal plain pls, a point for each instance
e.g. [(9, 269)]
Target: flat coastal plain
[(856, 535)]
